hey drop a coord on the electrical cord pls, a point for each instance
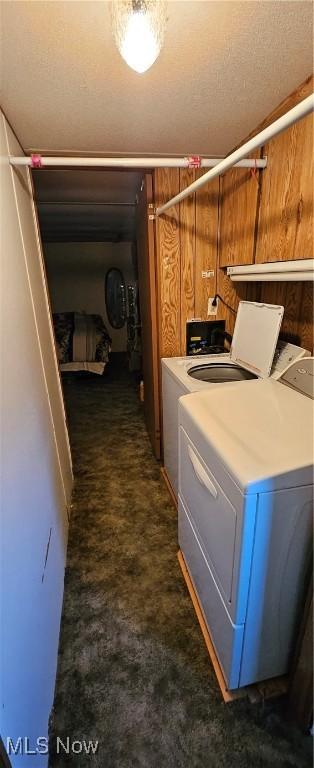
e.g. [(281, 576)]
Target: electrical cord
[(214, 303)]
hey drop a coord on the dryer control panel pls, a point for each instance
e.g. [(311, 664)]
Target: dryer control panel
[(285, 355)]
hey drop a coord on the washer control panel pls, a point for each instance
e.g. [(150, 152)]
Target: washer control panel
[(284, 356), (300, 376)]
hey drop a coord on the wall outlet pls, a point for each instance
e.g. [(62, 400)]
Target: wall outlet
[(212, 310)]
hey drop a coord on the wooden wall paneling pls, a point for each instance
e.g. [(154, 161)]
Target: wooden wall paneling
[(206, 243), (166, 183), (273, 293), (238, 211), (253, 291), (285, 223), (231, 294), (293, 161), (293, 307), (305, 328), (187, 252), (232, 217), (297, 299)]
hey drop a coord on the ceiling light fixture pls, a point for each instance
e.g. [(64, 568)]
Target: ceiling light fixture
[(139, 29)]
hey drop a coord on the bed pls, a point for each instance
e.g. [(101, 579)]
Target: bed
[(82, 341)]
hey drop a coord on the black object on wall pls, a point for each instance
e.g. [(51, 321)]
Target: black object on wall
[(205, 337), (115, 296)]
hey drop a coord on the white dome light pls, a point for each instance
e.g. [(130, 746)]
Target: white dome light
[(139, 28)]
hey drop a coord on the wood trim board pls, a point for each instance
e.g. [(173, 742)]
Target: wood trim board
[(169, 487), (148, 307)]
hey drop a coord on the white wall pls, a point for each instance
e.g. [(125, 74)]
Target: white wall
[(76, 277), (36, 471)]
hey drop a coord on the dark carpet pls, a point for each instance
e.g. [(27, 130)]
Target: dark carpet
[(133, 670)]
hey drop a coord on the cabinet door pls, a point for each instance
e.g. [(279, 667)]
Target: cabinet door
[(285, 227), (238, 207)]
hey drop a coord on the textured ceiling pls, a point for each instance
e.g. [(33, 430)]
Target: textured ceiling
[(224, 66), (82, 206), (65, 89)]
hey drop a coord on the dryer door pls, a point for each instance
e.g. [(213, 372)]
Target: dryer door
[(226, 532), (213, 515), (226, 636)]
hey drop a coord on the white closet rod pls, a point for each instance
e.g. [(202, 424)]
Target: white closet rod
[(296, 113), (39, 161)]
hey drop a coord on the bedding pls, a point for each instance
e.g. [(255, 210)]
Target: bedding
[(82, 340)]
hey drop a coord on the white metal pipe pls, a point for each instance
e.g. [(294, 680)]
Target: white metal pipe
[(296, 113), (273, 277), (132, 162)]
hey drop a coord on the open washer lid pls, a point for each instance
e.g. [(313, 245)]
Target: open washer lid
[(255, 336)]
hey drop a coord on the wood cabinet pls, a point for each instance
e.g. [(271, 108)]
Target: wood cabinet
[(285, 219)]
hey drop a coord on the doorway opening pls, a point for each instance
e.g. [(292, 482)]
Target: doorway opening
[(99, 252), (87, 220), (88, 226)]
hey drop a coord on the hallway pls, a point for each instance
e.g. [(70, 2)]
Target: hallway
[(133, 670)]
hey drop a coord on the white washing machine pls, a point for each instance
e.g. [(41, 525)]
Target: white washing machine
[(245, 516), (251, 356)]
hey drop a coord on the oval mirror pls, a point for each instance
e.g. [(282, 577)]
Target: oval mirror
[(115, 297)]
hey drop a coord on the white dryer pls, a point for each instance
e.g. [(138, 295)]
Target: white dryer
[(245, 515), (251, 356)]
